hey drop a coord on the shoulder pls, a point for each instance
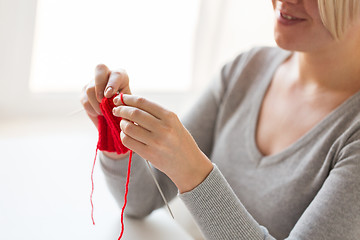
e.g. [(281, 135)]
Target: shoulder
[(348, 125), (258, 56), (264, 54), (252, 62), (251, 67)]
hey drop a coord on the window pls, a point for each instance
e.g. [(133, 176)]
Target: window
[(152, 40)]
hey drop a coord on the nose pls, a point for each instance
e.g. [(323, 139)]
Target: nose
[(289, 1), (278, 3), (275, 2)]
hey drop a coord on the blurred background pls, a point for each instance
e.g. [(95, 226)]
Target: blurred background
[(171, 50)]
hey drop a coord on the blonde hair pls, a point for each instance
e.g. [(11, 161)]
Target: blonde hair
[(338, 15)]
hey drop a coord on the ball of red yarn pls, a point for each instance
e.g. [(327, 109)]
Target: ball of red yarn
[(109, 128)]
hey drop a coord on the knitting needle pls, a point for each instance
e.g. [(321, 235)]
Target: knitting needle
[(159, 188), (148, 164), (72, 113)]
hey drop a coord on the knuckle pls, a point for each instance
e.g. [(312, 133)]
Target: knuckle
[(140, 101), (119, 71), (101, 67), (168, 132), (171, 116), (134, 114), (125, 139), (122, 73), (127, 128)]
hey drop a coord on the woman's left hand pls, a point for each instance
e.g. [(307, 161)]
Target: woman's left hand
[(158, 136)]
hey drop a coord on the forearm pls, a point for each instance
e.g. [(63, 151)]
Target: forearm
[(143, 196), (190, 176), (219, 213), (333, 214)]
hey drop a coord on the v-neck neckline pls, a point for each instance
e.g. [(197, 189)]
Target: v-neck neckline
[(259, 99)]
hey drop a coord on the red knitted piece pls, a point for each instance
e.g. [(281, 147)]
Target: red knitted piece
[(109, 140), (109, 129)]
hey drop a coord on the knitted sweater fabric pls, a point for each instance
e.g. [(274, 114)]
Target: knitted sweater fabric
[(310, 190)]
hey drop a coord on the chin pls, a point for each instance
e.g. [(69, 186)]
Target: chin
[(303, 41), (288, 43), (301, 45)]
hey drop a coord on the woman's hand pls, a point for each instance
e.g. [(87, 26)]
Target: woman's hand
[(157, 135), (105, 84)]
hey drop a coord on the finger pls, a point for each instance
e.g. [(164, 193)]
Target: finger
[(136, 146), (143, 104), (102, 73), (138, 116), (89, 109), (91, 97), (135, 131), (118, 81), (86, 103)]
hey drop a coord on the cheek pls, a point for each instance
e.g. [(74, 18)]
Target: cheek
[(312, 8)]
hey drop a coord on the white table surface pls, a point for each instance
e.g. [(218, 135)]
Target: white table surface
[(45, 187)]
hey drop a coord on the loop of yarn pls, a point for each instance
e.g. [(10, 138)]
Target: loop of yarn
[(109, 140)]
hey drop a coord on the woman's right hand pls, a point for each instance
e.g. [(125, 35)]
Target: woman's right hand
[(105, 84)]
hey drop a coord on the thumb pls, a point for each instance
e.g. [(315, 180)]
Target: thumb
[(118, 81)]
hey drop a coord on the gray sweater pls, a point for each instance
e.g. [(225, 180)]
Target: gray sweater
[(310, 190)]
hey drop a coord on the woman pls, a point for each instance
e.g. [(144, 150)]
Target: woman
[(280, 125)]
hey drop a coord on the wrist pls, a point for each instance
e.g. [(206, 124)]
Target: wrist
[(193, 175)]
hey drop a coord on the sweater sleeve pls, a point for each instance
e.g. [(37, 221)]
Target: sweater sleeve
[(143, 195), (333, 214)]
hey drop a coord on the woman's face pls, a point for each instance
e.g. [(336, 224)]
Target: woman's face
[(298, 26)]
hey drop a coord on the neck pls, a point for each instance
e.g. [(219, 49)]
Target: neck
[(336, 68)]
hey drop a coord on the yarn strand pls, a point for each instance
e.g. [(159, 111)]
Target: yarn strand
[(125, 196), (92, 187), (126, 185), (109, 140)]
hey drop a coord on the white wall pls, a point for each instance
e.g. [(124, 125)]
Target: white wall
[(16, 31), (223, 31), (17, 20)]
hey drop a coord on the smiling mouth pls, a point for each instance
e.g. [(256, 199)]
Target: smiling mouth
[(288, 17)]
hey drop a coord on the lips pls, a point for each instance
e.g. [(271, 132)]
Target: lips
[(289, 16), (288, 19)]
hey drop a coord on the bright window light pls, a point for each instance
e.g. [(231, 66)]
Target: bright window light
[(152, 40)]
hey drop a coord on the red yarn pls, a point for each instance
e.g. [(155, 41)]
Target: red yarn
[(109, 140), (92, 188), (125, 196), (109, 128)]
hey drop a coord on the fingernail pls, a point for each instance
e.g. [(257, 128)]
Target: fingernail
[(116, 100), (114, 111), (109, 92)]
